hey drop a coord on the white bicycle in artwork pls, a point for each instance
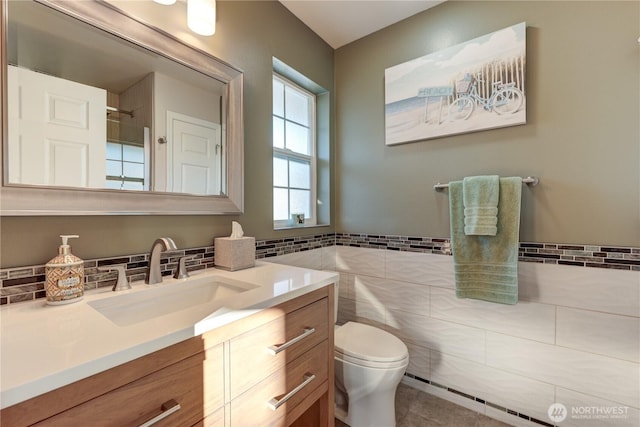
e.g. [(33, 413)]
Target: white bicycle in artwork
[(505, 98)]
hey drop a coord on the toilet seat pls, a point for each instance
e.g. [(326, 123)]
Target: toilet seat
[(368, 346)]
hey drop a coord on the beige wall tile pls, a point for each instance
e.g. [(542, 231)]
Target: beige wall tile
[(599, 289), (525, 319), (512, 391), (588, 411), (593, 374), (601, 333)]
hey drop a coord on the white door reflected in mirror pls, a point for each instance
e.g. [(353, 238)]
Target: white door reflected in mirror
[(194, 163), (145, 73), (68, 101), (57, 131)]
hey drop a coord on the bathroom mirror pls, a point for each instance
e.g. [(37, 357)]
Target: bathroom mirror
[(104, 114)]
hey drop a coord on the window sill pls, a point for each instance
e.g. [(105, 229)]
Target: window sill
[(293, 227)]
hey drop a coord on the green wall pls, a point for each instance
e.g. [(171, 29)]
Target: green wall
[(248, 34), (581, 137)]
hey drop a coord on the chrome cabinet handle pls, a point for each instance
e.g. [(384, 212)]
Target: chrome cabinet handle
[(275, 349), (275, 403), (168, 408)]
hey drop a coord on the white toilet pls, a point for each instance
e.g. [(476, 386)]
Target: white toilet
[(369, 364)]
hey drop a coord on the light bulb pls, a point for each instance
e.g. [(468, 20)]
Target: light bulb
[(165, 2), (201, 16)]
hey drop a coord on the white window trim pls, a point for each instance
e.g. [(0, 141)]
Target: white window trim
[(125, 178), (312, 159)]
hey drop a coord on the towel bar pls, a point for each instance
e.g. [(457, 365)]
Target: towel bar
[(530, 180)]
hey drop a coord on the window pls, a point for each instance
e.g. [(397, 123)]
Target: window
[(294, 153), (125, 166)]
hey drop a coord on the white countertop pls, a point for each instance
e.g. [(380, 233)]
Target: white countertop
[(45, 347)]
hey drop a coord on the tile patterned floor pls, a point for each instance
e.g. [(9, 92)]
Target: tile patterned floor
[(415, 408)]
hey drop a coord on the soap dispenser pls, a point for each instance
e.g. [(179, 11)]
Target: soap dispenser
[(64, 275)]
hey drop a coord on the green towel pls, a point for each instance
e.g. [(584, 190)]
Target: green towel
[(486, 267), (480, 195)]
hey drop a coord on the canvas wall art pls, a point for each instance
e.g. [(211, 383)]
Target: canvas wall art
[(473, 86)]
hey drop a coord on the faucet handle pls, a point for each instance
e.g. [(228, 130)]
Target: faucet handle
[(181, 270), (122, 283)]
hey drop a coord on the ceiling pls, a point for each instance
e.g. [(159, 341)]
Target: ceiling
[(339, 22), (54, 43)]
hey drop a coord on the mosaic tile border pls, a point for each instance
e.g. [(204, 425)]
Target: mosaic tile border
[(481, 401), (275, 247), (396, 243), (27, 283), (615, 257)]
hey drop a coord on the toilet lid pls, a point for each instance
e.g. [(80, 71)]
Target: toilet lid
[(365, 342)]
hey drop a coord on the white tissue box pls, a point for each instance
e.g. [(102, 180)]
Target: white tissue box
[(234, 254)]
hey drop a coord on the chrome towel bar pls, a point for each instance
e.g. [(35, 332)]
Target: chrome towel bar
[(530, 180)]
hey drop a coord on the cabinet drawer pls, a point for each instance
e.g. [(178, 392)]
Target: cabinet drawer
[(256, 407), (213, 420), (138, 402), (290, 335)]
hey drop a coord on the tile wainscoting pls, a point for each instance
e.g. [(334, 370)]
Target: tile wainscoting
[(27, 283), (573, 337)]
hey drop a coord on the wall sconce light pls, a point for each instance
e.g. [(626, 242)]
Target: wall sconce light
[(201, 16)]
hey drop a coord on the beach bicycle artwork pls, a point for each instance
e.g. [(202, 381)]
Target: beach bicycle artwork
[(472, 86), (505, 98)]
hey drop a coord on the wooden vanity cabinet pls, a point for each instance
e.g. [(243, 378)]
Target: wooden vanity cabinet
[(155, 396), (272, 368), (261, 351)]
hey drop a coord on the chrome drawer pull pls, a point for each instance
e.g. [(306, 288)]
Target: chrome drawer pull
[(275, 403), (275, 349), (168, 408)]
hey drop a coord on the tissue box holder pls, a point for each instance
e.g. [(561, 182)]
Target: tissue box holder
[(234, 254)]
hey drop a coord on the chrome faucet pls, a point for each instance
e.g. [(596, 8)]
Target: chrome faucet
[(153, 274)]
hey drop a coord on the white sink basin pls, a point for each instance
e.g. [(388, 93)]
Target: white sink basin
[(193, 299)]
